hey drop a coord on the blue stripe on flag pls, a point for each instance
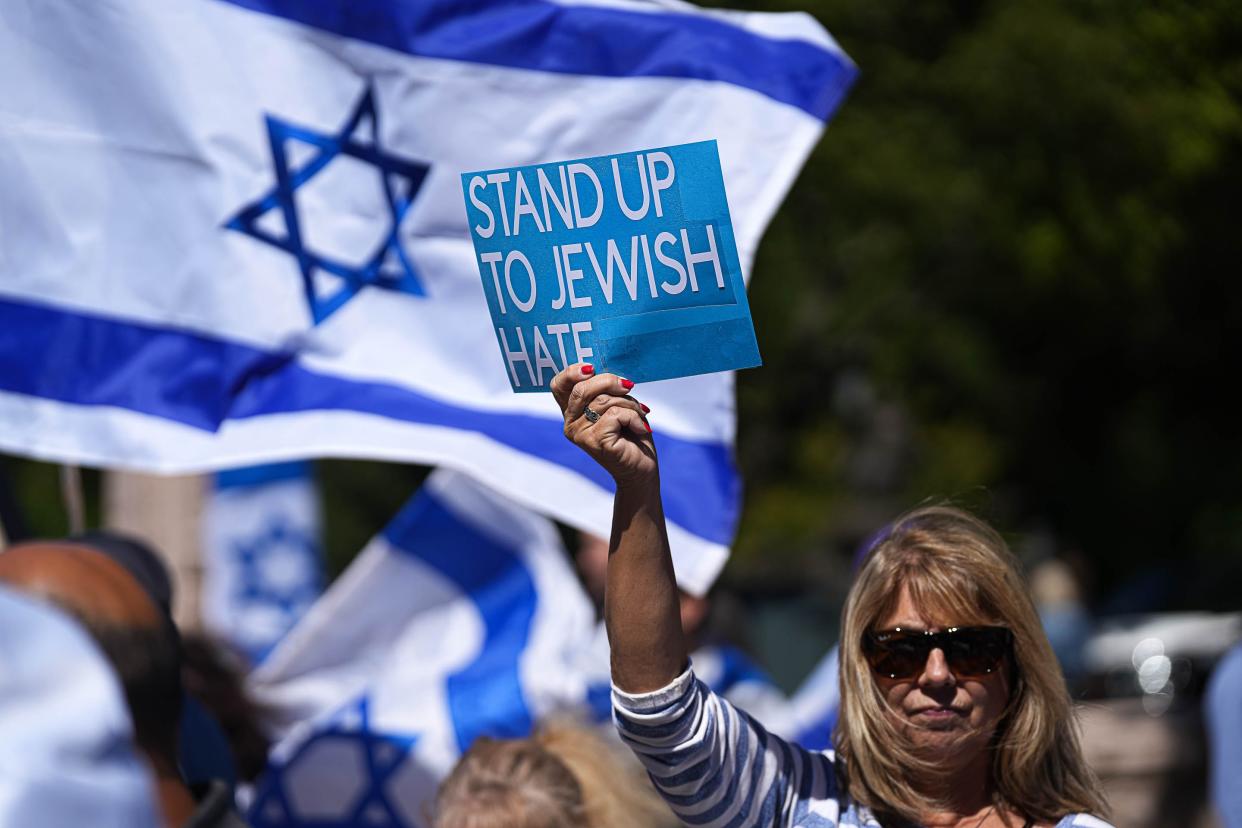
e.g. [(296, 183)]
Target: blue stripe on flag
[(89, 360), (585, 40), (262, 474), (484, 697)]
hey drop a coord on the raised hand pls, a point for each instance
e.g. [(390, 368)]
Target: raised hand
[(605, 422)]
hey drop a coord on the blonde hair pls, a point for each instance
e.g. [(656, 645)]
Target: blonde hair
[(959, 568), (562, 776)]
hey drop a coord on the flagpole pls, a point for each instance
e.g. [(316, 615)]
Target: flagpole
[(71, 495)]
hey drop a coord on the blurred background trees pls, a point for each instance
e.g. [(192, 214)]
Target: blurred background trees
[(1008, 275)]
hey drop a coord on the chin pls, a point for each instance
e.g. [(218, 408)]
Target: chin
[(944, 738)]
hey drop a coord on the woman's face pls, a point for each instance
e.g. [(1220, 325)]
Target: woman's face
[(940, 712)]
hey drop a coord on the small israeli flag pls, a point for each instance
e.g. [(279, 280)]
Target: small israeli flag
[(262, 554), (458, 621)]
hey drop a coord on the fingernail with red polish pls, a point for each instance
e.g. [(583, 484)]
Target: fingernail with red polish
[(588, 369), (645, 409), (627, 384), (648, 425)]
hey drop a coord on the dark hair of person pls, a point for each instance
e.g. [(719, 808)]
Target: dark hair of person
[(147, 660), (214, 679)]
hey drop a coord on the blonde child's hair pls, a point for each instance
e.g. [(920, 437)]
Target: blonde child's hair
[(563, 776)]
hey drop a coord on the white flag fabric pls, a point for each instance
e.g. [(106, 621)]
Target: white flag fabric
[(459, 620), (67, 757), (262, 554), (233, 230)]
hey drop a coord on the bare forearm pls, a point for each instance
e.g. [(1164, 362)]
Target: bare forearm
[(641, 603)]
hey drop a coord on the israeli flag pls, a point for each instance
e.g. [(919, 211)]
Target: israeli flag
[(459, 620), (234, 233), (262, 554)]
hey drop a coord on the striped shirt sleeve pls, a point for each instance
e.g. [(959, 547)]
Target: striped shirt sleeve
[(717, 767)]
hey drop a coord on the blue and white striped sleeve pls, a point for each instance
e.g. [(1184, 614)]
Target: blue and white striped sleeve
[(716, 767)]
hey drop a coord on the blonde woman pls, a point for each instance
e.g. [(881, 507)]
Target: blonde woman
[(954, 712)]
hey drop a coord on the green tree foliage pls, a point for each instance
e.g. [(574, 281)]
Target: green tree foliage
[(1010, 267)]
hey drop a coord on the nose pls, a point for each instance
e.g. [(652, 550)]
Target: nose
[(936, 671)]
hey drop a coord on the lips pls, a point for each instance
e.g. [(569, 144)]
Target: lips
[(939, 719), (939, 713)]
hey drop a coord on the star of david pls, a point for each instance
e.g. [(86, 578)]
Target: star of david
[(383, 755), (386, 267), (253, 586)]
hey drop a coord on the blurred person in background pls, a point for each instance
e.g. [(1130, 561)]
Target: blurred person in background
[(67, 756), (113, 601), (1223, 720), (563, 776), (954, 711), (214, 677), (1058, 599), (218, 721)]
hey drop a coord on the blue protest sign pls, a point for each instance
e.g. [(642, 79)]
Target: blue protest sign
[(624, 261)]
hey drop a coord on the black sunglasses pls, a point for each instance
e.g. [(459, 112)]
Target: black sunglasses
[(970, 652)]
